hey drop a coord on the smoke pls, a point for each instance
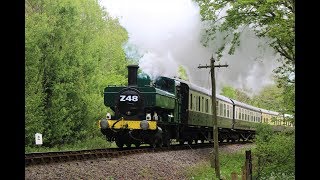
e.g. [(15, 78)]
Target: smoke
[(250, 68), (167, 34)]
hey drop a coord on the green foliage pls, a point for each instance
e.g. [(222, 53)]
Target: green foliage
[(280, 98), (228, 91), (288, 96), (236, 94), (274, 20), (229, 163), (270, 97), (274, 154), (73, 51), (182, 73)]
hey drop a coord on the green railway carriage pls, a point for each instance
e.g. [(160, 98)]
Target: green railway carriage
[(278, 121), (158, 111), (230, 127), (246, 115)]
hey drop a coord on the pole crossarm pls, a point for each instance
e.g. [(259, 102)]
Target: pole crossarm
[(214, 114), (207, 66)]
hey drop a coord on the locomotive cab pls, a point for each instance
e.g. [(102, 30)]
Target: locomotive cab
[(165, 84)]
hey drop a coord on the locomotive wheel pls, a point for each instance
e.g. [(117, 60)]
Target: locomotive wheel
[(153, 144), (166, 139), (137, 144), (166, 142), (128, 145), (181, 142), (160, 143), (119, 143)]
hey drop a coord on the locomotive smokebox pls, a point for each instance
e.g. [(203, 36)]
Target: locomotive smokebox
[(132, 75)]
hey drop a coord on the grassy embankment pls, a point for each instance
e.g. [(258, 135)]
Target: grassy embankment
[(229, 162)]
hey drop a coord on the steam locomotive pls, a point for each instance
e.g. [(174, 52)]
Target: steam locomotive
[(166, 109)]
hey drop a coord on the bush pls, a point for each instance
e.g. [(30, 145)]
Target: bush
[(275, 154)]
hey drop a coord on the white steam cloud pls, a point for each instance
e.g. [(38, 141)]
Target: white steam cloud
[(167, 33)]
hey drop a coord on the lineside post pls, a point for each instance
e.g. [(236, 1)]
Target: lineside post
[(214, 115)]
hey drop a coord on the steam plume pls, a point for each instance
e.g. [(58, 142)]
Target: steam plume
[(167, 34)]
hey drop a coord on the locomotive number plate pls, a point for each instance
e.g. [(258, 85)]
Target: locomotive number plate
[(128, 98)]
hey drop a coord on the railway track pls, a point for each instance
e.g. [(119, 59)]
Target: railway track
[(65, 156)]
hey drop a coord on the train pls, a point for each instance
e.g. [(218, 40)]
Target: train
[(165, 110)]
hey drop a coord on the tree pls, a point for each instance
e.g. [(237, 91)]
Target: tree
[(274, 20), (182, 73), (236, 94), (228, 91), (73, 50), (270, 97)]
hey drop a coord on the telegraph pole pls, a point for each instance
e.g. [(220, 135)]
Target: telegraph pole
[(214, 115)]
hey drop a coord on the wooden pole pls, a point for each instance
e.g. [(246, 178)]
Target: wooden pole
[(248, 165), (234, 176), (214, 115), (215, 122)]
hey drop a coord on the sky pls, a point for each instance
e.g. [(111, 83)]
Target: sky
[(167, 33)]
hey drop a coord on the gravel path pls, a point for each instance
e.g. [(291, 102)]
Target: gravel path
[(159, 165)]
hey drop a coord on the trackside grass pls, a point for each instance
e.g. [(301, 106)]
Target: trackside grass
[(228, 163), (93, 143)]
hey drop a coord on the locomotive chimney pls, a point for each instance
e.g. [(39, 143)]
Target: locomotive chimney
[(132, 75)]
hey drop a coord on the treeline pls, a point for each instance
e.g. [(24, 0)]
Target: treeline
[(272, 97), (73, 49)]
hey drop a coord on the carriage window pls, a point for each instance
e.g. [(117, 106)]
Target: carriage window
[(199, 103), (195, 97), (224, 110), (207, 104), (227, 110), (217, 107), (202, 104), (246, 114), (231, 112), (242, 114), (191, 101), (221, 109), (235, 113)]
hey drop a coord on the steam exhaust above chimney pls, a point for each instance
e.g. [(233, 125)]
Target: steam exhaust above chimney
[(132, 75)]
